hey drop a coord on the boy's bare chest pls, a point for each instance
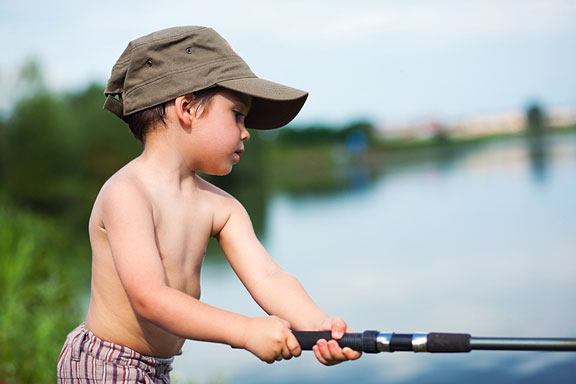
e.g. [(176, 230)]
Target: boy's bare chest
[(182, 232)]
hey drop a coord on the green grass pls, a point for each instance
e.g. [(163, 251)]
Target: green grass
[(41, 273)]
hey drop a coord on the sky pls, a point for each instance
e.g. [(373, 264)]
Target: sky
[(387, 61)]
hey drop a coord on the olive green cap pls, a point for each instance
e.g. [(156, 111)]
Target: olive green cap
[(173, 62)]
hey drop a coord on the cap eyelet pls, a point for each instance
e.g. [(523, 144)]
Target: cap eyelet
[(149, 63), (189, 50)]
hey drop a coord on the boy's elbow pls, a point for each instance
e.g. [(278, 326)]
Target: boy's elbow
[(141, 306), (145, 303)]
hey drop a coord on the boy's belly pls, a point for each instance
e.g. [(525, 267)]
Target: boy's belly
[(112, 318), (137, 333)]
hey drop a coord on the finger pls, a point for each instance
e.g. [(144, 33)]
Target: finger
[(351, 354), (319, 355), (293, 345), (324, 350), (286, 353), (336, 352)]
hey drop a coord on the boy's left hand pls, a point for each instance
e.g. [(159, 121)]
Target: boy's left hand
[(329, 352)]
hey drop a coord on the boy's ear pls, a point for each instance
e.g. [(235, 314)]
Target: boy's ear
[(184, 108)]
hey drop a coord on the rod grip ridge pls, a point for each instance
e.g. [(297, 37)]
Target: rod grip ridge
[(363, 342), (448, 342)]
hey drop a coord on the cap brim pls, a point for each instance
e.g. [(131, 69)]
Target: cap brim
[(273, 105)]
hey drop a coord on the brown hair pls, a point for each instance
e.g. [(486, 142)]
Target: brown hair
[(142, 122)]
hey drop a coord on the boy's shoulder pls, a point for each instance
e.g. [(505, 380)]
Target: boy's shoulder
[(131, 194), (125, 180), (123, 189), (223, 202), (133, 182)]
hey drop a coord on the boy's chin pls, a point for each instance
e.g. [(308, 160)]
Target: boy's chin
[(222, 172)]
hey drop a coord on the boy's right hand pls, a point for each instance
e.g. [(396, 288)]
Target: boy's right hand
[(270, 339)]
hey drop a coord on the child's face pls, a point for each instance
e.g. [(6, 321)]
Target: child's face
[(219, 133)]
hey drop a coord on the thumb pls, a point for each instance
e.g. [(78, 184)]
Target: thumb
[(338, 328)]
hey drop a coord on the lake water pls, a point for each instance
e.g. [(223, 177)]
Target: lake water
[(479, 241)]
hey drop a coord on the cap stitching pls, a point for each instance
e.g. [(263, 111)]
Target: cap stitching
[(137, 45), (187, 69)]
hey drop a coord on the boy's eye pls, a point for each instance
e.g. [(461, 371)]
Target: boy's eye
[(238, 115)]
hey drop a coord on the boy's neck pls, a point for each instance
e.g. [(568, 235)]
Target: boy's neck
[(162, 155)]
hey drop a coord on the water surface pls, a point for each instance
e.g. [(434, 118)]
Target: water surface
[(480, 241)]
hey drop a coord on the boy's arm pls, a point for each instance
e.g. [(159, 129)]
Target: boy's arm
[(128, 220), (276, 291)]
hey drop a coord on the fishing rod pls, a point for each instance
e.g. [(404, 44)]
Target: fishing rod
[(376, 342)]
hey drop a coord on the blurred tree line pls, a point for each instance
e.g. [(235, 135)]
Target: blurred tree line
[(54, 148), (57, 149), (314, 135), (536, 119)]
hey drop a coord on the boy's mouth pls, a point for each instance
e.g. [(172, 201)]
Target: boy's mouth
[(237, 155)]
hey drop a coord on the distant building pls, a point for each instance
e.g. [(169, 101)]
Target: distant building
[(474, 125), (480, 125)]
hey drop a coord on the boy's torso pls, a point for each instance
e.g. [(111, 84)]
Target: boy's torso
[(184, 218)]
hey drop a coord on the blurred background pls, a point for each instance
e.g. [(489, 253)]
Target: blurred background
[(428, 184)]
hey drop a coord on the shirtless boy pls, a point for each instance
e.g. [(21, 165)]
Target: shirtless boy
[(189, 98)]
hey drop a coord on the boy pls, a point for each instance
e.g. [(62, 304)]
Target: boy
[(189, 98)]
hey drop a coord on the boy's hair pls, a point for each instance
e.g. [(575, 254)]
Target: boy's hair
[(142, 122)]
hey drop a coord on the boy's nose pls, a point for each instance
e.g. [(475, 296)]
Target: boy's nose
[(245, 134)]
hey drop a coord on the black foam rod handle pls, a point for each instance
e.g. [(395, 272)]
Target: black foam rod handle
[(363, 342), (448, 342)]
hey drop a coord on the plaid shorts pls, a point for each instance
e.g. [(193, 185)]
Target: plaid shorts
[(87, 359)]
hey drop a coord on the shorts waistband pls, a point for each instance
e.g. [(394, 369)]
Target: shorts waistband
[(83, 340)]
